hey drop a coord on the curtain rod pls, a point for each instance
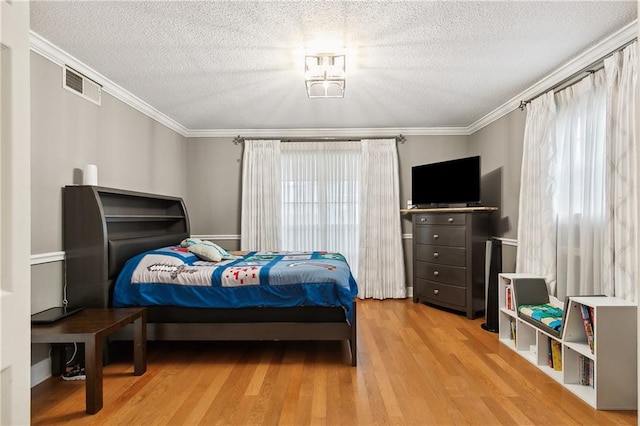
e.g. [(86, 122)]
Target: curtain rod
[(577, 76), (400, 139)]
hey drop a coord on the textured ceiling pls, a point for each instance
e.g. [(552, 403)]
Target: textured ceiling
[(239, 64)]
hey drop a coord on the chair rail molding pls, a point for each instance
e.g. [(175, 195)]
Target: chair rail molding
[(54, 256), (217, 237)]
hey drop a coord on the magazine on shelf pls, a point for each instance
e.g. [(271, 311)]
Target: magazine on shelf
[(509, 298), (587, 320)]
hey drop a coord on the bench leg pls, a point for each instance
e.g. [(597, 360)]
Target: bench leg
[(139, 346), (93, 370)]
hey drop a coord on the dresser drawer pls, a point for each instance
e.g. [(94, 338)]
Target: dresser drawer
[(443, 255), (453, 275), (441, 235), (441, 293), (441, 219)]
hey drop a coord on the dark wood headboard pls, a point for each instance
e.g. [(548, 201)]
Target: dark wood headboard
[(103, 227)]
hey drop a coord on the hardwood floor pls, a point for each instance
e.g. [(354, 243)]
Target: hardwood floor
[(417, 365)]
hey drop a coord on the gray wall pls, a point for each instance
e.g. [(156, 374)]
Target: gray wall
[(500, 146), (131, 150), (215, 179)]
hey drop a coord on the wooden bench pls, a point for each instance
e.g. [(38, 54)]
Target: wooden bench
[(90, 327)]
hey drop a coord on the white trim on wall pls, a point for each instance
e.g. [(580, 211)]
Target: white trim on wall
[(217, 237), (507, 241), (54, 256), (606, 46), (329, 132), (58, 256)]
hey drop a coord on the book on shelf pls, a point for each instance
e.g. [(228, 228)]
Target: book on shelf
[(508, 298), (556, 355), (512, 329), (587, 320), (585, 366)]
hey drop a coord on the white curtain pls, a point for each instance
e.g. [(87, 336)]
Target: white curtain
[(536, 220), (591, 182), (580, 194), (260, 227), (381, 267), (321, 197), (621, 245)]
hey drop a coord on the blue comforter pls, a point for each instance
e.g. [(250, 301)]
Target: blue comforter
[(171, 276)]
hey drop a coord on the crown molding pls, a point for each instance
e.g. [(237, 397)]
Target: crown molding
[(585, 59), (605, 47), (58, 56), (329, 132), (46, 49)]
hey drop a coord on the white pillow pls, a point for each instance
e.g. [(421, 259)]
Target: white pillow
[(190, 242), (205, 252)]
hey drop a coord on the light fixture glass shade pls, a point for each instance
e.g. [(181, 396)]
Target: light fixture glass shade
[(325, 75)]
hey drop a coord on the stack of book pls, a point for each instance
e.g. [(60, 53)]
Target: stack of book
[(585, 366)]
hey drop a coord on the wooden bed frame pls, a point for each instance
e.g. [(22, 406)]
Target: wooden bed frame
[(104, 227)]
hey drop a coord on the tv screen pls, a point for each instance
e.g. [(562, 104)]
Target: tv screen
[(446, 182)]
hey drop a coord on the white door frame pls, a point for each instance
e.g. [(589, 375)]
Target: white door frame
[(15, 214)]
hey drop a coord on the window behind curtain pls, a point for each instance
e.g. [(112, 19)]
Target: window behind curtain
[(580, 203), (321, 197)]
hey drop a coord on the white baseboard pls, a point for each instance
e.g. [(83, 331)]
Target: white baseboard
[(40, 371), (409, 292)]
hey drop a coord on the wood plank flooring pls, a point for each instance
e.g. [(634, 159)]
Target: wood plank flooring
[(418, 365)]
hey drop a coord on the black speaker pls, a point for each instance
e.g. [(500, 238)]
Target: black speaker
[(493, 267)]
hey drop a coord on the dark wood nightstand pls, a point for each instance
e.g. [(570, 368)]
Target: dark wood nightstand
[(90, 327)]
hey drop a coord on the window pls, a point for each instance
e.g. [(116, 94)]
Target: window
[(580, 204), (321, 197)]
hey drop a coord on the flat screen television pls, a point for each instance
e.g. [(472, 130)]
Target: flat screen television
[(447, 182)]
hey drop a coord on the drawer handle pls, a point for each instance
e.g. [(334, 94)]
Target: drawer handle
[(436, 254), (450, 220), (435, 291), (436, 273), (423, 219), (435, 236)]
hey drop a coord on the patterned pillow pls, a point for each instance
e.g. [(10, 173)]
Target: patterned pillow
[(209, 252), (205, 252), (190, 241), (547, 314)]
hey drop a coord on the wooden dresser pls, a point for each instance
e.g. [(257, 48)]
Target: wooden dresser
[(449, 247)]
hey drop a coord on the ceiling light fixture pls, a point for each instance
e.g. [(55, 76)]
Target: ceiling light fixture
[(324, 75)]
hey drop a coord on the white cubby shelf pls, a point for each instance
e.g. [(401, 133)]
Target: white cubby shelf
[(614, 358)]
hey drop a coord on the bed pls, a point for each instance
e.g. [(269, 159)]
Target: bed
[(107, 230)]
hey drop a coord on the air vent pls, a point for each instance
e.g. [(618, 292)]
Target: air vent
[(82, 86)]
